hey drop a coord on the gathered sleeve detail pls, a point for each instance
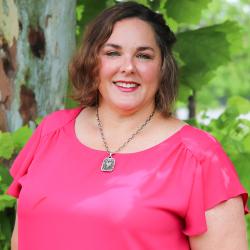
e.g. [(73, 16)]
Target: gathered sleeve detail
[(215, 180), (51, 123), (23, 160)]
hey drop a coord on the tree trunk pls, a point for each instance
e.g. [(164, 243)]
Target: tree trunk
[(192, 106), (45, 45), (8, 37)]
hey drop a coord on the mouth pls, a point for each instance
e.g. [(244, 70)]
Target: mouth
[(126, 84)]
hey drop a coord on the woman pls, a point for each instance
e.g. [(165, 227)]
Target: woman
[(119, 171)]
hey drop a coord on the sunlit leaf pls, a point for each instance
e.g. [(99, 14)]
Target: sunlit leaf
[(241, 104), (186, 11), (6, 145), (246, 143), (21, 136), (6, 201)]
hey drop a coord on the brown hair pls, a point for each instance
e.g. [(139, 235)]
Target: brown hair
[(84, 71)]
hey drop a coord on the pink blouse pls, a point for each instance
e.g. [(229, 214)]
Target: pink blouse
[(153, 200)]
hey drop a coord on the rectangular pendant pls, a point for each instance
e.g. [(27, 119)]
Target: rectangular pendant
[(108, 164)]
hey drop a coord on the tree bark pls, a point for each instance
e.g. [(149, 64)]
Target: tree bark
[(45, 45), (8, 37), (192, 106)]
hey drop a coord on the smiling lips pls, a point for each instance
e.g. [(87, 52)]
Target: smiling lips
[(126, 86)]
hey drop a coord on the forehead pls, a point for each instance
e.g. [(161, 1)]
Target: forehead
[(133, 31)]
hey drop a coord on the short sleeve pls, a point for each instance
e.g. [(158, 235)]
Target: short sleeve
[(22, 162), (215, 180)]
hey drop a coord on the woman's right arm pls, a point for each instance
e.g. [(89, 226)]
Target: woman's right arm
[(14, 237)]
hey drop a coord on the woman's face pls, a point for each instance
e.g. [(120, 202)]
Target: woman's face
[(130, 65)]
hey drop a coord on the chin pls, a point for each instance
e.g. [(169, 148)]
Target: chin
[(127, 106)]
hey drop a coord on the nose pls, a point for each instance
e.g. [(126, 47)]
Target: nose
[(127, 65)]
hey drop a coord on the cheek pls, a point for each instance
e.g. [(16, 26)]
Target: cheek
[(103, 68), (151, 73), (107, 68)]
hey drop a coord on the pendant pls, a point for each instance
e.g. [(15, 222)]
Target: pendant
[(108, 164)]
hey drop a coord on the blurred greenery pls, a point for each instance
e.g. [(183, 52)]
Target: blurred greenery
[(183, 11), (203, 50), (10, 144), (233, 132), (233, 78)]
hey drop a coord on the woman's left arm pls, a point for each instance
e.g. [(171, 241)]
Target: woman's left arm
[(226, 228)]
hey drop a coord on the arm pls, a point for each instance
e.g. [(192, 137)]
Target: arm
[(14, 237), (226, 228)]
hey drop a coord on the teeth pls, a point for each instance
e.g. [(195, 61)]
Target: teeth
[(126, 85)]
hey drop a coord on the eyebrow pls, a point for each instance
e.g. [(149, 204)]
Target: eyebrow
[(116, 46)]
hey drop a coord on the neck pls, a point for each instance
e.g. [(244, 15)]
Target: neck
[(123, 119)]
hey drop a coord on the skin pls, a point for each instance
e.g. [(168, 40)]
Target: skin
[(135, 60), (226, 228), (138, 60), (131, 54)]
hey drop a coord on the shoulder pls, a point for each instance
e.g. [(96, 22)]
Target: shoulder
[(198, 141), (58, 119)]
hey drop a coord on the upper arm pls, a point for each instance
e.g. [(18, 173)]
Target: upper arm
[(226, 228), (14, 237)]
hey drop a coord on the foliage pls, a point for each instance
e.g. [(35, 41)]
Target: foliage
[(86, 10), (183, 11), (211, 47), (10, 145), (233, 132), (6, 210), (233, 78), (5, 230)]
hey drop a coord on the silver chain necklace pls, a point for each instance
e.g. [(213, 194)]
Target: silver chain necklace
[(108, 163)]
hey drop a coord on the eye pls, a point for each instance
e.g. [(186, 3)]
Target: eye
[(112, 53), (144, 56)]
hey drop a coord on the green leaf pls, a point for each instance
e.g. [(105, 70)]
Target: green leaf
[(6, 145), (79, 12), (38, 120), (6, 201), (186, 11), (90, 9), (241, 104), (5, 178), (241, 163), (155, 5), (246, 143), (21, 136), (234, 35), (184, 92), (6, 226), (160, 7), (204, 50)]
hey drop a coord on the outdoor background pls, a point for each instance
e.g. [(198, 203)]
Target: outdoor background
[(38, 38)]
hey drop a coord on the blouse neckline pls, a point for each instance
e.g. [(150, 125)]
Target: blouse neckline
[(167, 140)]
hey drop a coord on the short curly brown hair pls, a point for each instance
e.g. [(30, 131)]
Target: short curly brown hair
[(84, 66)]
